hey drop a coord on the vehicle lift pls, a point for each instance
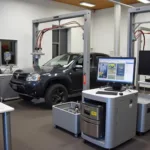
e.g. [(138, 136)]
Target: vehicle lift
[(86, 14)]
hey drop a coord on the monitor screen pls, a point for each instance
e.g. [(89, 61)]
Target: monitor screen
[(120, 70), (144, 62)]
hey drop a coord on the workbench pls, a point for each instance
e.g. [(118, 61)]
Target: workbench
[(6, 92)]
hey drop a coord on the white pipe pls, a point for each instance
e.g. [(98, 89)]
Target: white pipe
[(117, 13), (144, 28), (116, 2)]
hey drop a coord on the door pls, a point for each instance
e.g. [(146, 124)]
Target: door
[(59, 42), (55, 51), (77, 75), (63, 49), (55, 43)]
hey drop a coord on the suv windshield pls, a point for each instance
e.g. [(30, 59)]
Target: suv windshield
[(62, 60)]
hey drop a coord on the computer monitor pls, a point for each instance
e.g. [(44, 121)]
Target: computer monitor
[(116, 70), (144, 63)]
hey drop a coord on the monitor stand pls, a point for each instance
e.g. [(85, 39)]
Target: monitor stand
[(116, 87)]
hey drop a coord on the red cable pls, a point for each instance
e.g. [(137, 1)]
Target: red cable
[(38, 39), (143, 37), (40, 36)]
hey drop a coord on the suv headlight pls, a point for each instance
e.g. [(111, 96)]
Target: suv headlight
[(33, 77)]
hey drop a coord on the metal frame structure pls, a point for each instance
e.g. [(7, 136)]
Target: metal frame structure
[(132, 26), (87, 27), (137, 56)]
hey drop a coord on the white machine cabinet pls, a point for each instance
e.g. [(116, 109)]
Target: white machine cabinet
[(120, 117), (143, 121)]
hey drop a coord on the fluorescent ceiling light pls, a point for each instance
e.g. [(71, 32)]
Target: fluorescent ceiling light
[(87, 4), (144, 1)]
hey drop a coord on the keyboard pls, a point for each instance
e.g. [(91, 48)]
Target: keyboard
[(107, 93)]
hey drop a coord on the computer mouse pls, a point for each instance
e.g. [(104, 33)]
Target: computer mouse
[(121, 94)]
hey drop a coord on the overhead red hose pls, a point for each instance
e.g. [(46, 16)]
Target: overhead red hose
[(141, 32), (42, 32), (37, 39)]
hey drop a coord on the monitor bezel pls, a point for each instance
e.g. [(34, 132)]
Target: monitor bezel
[(113, 82)]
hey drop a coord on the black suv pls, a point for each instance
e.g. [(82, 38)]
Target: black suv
[(55, 80)]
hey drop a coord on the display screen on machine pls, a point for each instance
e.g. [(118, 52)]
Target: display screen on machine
[(120, 70)]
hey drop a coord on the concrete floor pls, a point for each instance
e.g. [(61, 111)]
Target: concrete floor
[(32, 129)]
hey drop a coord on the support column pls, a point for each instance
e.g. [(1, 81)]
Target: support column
[(131, 27), (35, 35), (137, 76), (7, 131), (87, 41), (117, 13)]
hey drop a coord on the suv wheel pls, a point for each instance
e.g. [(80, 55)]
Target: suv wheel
[(26, 98), (55, 94)]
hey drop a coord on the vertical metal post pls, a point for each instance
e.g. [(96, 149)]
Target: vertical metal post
[(131, 19), (117, 12), (59, 48), (35, 34), (137, 76), (86, 69), (7, 131)]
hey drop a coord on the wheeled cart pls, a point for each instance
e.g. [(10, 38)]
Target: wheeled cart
[(67, 116), (108, 120), (143, 121)]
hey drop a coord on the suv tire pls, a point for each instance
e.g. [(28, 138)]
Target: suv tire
[(55, 94), (26, 98)]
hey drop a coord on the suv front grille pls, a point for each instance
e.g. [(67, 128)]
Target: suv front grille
[(20, 76)]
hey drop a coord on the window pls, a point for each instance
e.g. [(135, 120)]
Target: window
[(80, 61), (59, 42), (61, 60), (8, 46)]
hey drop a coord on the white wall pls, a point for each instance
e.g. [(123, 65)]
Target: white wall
[(16, 23), (75, 34), (103, 36)]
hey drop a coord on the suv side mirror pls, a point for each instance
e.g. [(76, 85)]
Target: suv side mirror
[(78, 67)]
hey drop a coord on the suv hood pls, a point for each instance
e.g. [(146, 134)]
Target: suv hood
[(43, 69)]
